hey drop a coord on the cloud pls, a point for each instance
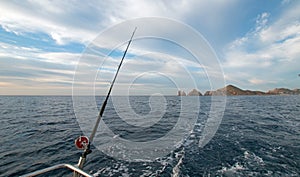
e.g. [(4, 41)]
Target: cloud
[(147, 70), (36, 54), (256, 81), (67, 21), (23, 69), (81, 22), (52, 18), (269, 53), (266, 54)]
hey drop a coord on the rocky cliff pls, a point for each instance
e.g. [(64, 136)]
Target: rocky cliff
[(181, 93), (232, 90), (283, 91), (194, 92)]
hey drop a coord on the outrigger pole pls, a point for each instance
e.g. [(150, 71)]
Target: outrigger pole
[(83, 142)]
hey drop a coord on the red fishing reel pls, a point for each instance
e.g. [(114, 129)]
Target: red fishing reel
[(82, 142)]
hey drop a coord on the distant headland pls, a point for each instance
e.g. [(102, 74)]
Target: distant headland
[(231, 90)]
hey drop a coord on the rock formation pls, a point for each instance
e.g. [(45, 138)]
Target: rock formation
[(296, 91), (194, 92), (231, 90), (283, 91), (181, 93)]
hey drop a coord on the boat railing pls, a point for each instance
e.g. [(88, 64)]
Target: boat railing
[(75, 169)]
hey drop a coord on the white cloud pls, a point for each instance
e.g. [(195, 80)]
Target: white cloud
[(285, 2), (268, 53), (67, 21), (35, 67), (55, 18), (256, 81), (147, 67), (25, 70), (35, 54)]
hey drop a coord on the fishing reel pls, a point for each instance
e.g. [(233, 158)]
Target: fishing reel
[(82, 142)]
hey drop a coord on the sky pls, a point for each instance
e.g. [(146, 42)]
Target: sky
[(42, 44)]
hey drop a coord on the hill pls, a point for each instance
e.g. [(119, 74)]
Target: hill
[(231, 90), (283, 91), (194, 92)]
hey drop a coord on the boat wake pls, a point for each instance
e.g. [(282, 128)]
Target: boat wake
[(167, 165)]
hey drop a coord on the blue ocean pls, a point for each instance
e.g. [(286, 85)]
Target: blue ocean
[(258, 136)]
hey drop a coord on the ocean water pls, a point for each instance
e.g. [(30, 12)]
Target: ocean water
[(258, 136)]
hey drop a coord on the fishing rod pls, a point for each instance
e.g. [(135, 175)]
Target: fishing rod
[(84, 142)]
